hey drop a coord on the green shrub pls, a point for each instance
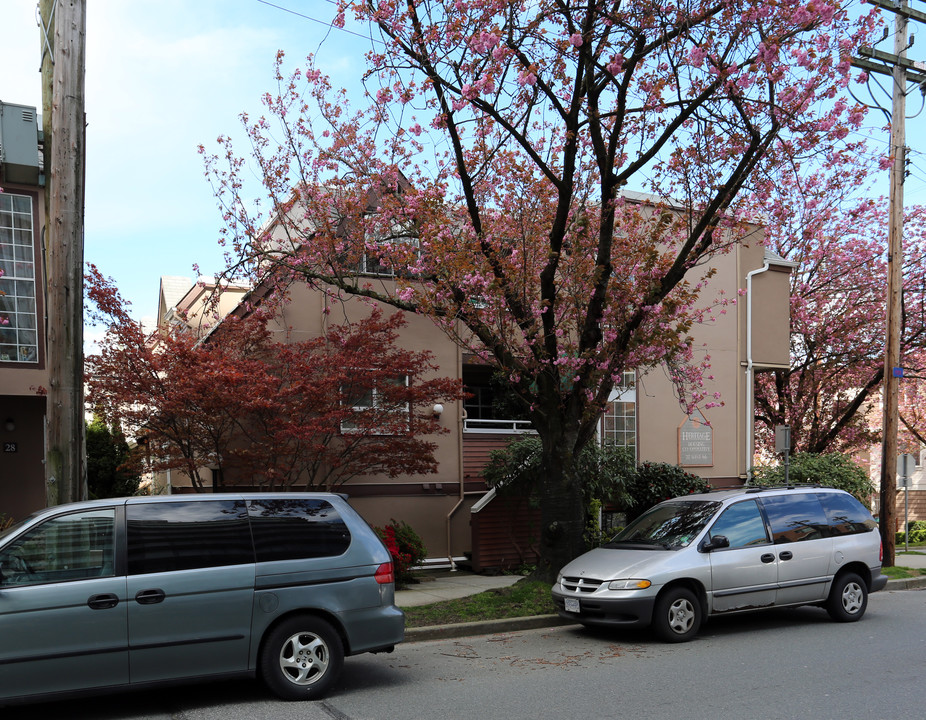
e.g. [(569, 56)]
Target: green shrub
[(655, 482), (834, 470), (405, 546), (608, 474), (917, 533)]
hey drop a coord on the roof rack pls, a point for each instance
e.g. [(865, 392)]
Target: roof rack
[(783, 486)]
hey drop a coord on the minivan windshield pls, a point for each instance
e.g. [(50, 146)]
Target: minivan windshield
[(667, 526)]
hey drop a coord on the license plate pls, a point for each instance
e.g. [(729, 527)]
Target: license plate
[(572, 605)]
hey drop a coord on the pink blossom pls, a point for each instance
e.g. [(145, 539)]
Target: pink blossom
[(575, 40), (697, 55), (526, 77)]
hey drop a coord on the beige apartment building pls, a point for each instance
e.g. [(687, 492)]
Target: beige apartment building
[(453, 511)]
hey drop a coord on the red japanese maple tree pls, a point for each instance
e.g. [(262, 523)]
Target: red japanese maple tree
[(309, 415)]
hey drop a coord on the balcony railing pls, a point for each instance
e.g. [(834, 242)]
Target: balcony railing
[(500, 427)]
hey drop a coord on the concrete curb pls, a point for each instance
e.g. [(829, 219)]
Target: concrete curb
[(532, 622), (907, 583), (483, 627)]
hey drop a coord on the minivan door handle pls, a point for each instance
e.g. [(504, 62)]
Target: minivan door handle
[(767, 558), (786, 555), (150, 597), (106, 601)]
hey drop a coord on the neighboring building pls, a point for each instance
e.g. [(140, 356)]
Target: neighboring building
[(23, 372), (452, 510)]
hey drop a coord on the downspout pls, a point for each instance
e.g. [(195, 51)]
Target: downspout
[(461, 419), (750, 373)]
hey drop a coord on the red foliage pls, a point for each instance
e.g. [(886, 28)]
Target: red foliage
[(265, 413)]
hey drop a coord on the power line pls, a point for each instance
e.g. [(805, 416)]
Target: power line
[(329, 25)]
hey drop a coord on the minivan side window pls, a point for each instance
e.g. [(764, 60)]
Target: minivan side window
[(76, 546), (847, 515), (795, 518), (742, 525), (292, 529), (163, 537)]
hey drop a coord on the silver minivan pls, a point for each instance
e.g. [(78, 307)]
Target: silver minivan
[(728, 551), (141, 591)]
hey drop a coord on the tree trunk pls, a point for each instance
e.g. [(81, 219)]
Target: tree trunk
[(562, 509)]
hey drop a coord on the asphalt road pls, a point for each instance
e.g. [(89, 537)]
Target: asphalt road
[(780, 664)]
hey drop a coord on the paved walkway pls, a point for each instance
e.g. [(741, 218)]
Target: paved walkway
[(449, 586), (916, 558)]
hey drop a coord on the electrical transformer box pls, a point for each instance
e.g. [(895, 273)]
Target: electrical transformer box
[(19, 144)]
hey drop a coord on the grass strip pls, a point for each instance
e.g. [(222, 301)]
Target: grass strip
[(524, 598), (900, 572)]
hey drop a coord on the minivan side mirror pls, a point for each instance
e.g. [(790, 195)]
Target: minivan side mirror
[(717, 542)]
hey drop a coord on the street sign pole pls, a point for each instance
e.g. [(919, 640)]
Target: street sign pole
[(906, 465)]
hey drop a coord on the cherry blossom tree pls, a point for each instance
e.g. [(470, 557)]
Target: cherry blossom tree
[(483, 182), (309, 415), (830, 395)]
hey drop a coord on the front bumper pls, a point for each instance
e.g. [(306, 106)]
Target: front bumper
[(631, 611)]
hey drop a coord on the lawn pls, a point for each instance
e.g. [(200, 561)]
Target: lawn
[(524, 598)]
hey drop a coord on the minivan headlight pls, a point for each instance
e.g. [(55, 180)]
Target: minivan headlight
[(630, 584)]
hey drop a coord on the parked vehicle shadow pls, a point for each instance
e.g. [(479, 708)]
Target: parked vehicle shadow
[(773, 620), (139, 704)]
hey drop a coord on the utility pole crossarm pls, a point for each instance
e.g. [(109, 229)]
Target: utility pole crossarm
[(900, 9), (916, 70)]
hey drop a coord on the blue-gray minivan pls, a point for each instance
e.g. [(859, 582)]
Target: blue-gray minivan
[(131, 592)]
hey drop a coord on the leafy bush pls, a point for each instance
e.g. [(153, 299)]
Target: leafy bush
[(917, 533), (834, 470), (654, 482), (608, 475), (405, 546), (605, 471)]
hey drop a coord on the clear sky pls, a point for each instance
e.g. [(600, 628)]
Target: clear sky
[(164, 76)]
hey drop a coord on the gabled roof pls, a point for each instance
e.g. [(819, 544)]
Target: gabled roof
[(173, 288)]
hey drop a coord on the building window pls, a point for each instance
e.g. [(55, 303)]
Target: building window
[(619, 421), (377, 408), (18, 328), (383, 252)]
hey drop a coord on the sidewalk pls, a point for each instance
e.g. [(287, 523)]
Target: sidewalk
[(450, 585)]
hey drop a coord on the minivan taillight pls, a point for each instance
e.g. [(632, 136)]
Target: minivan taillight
[(385, 574), (881, 553)]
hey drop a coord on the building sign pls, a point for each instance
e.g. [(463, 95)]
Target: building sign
[(695, 443)]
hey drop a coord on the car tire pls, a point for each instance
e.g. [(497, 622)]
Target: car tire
[(848, 598), (301, 658), (677, 615)]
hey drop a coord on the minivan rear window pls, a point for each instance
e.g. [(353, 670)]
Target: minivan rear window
[(292, 529), (847, 515)]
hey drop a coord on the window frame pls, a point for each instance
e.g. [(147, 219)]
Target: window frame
[(16, 315), (346, 426)]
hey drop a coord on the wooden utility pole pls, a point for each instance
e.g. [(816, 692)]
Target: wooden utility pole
[(63, 33), (890, 401), (901, 69)]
